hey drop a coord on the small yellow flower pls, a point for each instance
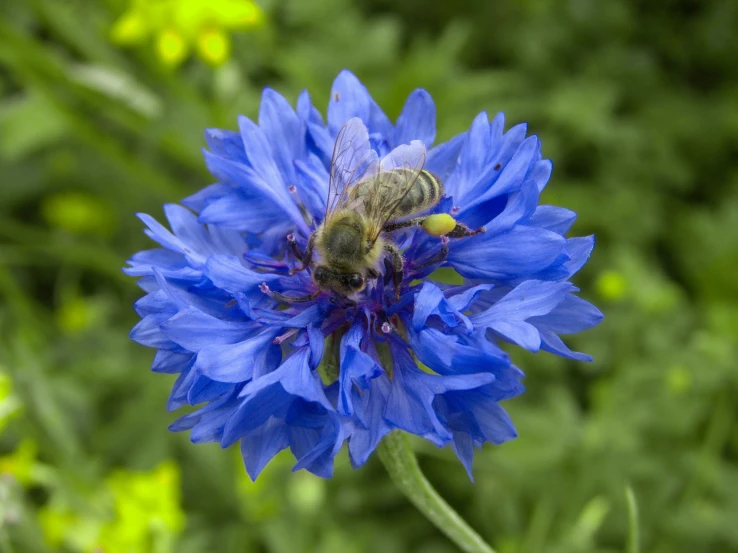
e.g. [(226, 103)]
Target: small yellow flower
[(147, 509), (214, 46), (171, 47), (135, 512), (178, 26)]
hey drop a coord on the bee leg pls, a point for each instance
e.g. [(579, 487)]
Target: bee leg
[(305, 258), (461, 230), (372, 273), (397, 265), (436, 225), (390, 227), (294, 299)]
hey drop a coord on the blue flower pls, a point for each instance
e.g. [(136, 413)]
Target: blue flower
[(273, 373)]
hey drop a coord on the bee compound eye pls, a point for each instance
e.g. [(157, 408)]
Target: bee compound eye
[(320, 275), (355, 281)]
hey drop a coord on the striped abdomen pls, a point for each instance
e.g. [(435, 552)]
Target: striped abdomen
[(425, 193)]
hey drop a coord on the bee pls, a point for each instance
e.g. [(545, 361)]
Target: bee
[(367, 200)]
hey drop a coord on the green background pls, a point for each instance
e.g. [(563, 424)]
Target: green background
[(636, 104)]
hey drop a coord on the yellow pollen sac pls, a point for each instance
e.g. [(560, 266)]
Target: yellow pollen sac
[(438, 224)]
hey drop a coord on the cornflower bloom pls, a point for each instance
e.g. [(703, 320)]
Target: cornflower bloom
[(275, 361)]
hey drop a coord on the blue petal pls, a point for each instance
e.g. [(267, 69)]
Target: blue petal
[(200, 200), (227, 144), (446, 355), (284, 131), (178, 396), (206, 424), (317, 344), (483, 415), (410, 404), (417, 120), (238, 362), (227, 273), (472, 159), (306, 111), (349, 98), (160, 234), (322, 142), (168, 263), (191, 233), (296, 377), (224, 240), (255, 205), (463, 447), (579, 250), (509, 145), (370, 406), (431, 301), (313, 184), (530, 299), (357, 367), (316, 455), (571, 316), (274, 392), (520, 206), (204, 390), (148, 333), (194, 330), (553, 344), (508, 180), (555, 219), (520, 251), (464, 299), (443, 159), (170, 362), (259, 446), (493, 421), (541, 172)]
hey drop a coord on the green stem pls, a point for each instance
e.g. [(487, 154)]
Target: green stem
[(634, 545), (399, 460)]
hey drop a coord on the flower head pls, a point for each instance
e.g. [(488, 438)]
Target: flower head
[(280, 362)]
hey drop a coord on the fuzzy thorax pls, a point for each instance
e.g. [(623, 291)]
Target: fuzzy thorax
[(344, 243)]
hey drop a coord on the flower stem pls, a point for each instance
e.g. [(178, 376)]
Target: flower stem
[(402, 466)]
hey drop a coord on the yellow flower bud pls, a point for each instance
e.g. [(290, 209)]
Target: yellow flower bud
[(171, 47), (214, 46), (130, 28)]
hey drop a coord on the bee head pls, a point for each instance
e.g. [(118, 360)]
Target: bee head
[(343, 283), (323, 276), (354, 282)]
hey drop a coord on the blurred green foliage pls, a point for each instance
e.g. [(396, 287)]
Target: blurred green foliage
[(635, 103)]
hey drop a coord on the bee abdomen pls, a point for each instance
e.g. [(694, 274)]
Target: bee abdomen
[(425, 193)]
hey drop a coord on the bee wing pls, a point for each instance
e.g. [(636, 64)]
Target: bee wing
[(399, 172), (353, 161)]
